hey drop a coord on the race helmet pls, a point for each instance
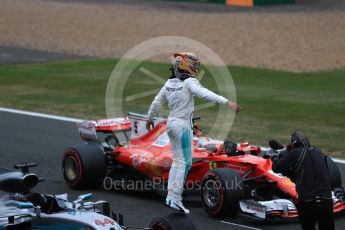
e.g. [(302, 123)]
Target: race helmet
[(186, 65), (298, 138)]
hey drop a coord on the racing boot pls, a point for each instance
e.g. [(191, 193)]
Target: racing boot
[(178, 206)]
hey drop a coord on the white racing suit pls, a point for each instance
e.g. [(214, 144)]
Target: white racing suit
[(180, 97)]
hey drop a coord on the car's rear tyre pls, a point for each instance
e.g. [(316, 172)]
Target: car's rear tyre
[(83, 166), (173, 221), (334, 173), (221, 190)]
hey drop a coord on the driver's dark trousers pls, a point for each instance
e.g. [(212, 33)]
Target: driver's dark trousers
[(320, 212)]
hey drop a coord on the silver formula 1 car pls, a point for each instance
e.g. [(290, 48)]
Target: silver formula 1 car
[(22, 209)]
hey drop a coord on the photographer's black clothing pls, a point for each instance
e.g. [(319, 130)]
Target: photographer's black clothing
[(307, 167), (321, 212)]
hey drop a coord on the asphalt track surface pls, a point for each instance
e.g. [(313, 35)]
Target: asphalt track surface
[(32, 139)]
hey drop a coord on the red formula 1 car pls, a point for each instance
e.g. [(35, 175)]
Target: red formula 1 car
[(230, 177)]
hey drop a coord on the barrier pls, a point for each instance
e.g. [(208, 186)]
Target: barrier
[(245, 3)]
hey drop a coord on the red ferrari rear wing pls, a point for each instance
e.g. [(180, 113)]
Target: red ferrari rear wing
[(88, 129), (113, 124)]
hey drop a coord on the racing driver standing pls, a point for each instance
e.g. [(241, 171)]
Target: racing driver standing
[(179, 92)]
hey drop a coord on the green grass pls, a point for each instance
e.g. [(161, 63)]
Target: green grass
[(275, 102)]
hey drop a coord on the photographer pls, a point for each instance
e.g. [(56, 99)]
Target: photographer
[(306, 166)]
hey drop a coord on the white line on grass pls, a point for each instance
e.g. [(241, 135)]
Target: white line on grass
[(71, 119), (42, 115), (239, 225)]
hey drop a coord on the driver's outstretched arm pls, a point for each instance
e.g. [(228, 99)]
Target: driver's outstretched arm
[(198, 90)]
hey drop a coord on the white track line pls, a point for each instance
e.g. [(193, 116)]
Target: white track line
[(239, 225), (340, 161), (71, 119), (42, 115)]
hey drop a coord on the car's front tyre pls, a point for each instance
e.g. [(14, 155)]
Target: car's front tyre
[(221, 191)]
